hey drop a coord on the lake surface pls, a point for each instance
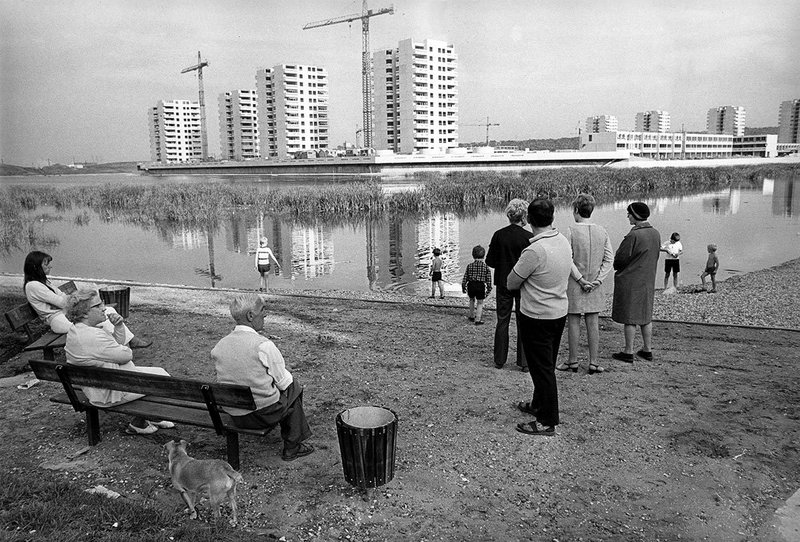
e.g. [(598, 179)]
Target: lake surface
[(753, 228)]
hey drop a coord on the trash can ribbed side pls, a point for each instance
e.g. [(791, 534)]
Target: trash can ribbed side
[(367, 443), (121, 295)]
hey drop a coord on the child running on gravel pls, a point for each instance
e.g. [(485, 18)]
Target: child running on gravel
[(436, 274), (712, 264), (477, 283)]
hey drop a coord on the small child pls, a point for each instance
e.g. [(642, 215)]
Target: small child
[(477, 283), (712, 264), (673, 248), (436, 274)]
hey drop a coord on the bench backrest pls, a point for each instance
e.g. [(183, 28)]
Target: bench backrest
[(226, 395), (22, 316)]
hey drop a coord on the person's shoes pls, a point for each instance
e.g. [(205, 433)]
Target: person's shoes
[(645, 355), (595, 369), (136, 342), (567, 367), (163, 424), (712, 291), (300, 451), (523, 369), (623, 356), (431, 297), (149, 430), (527, 408), (478, 322), (441, 297), (498, 366), (532, 428), (471, 318)]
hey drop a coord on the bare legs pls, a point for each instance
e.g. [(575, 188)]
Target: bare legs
[(592, 334), (264, 282), (674, 280), (630, 333)]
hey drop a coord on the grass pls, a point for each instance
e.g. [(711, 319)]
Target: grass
[(35, 505)]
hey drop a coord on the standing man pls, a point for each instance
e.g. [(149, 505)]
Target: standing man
[(541, 274), (248, 358), (504, 250), (636, 263)]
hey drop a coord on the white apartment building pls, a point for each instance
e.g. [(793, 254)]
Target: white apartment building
[(416, 97), (789, 122), (726, 119), (601, 123), (292, 109), (652, 121), (175, 134), (661, 146), (238, 125)]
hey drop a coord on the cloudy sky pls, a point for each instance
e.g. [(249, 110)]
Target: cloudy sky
[(77, 76)]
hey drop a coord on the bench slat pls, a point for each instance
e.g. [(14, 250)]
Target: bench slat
[(48, 340), (227, 395)]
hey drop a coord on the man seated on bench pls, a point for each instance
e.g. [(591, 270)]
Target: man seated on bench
[(49, 301), (90, 344), (248, 358)]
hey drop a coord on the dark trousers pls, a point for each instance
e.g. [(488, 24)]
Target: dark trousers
[(505, 300), (542, 339), (288, 412)]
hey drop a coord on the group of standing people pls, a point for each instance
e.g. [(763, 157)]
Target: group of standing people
[(555, 279)]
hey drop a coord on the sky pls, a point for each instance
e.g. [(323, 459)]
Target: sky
[(77, 77)]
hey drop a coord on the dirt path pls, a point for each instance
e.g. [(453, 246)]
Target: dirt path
[(702, 443)]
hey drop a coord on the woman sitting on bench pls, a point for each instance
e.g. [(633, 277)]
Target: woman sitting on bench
[(89, 343), (49, 301)]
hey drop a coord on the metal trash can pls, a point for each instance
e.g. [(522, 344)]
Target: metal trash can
[(367, 443), (120, 295)]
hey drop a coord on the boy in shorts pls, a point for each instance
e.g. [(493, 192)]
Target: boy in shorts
[(477, 283), (712, 264), (436, 274), (672, 264)]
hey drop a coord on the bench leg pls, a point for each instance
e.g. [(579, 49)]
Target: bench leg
[(233, 449), (93, 426)]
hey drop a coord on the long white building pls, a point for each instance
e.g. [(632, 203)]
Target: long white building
[(601, 123), (238, 125), (175, 134), (661, 146), (789, 122), (416, 97), (726, 119), (292, 109), (653, 121)]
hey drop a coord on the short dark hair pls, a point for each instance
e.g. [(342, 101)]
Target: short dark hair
[(478, 252), (540, 212), (675, 236), (437, 252), (583, 205)]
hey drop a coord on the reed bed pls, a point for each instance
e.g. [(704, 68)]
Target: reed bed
[(203, 205)]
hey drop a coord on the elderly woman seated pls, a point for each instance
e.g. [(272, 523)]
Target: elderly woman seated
[(49, 302), (90, 344)]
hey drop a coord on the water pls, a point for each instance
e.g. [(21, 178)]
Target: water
[(753, 228)]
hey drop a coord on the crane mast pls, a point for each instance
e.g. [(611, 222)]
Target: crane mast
[(366, 75), (203, 135), (486, 124)]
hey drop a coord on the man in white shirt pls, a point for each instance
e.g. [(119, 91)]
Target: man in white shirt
[(248, 358)]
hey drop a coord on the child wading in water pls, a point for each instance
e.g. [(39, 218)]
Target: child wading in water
[(436, 274), (712, 264), (263, 255), (477, 283), (672, 263)]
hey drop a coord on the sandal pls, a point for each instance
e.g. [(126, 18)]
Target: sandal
[(527, 408), (595, 369), (567, 367), (531, 428)]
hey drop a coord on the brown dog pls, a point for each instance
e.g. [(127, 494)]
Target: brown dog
[(213, 479)]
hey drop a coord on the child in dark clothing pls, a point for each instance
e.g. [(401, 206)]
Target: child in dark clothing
[(477, 283)]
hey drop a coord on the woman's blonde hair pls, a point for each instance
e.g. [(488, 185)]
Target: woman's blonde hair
[(517, 210), (79, 303)]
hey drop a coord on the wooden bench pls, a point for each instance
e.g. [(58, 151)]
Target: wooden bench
[(20, 318), (183, 401)]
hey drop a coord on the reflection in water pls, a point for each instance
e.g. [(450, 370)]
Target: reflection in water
[(439, 230), (786, 196), (312, 252)]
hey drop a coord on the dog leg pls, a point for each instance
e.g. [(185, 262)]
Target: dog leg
[(232, 500), (189, 500)]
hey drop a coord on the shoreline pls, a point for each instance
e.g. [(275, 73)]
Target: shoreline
[(767, 298)]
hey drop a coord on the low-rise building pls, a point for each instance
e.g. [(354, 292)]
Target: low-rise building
[(661, 146), (765, 145)]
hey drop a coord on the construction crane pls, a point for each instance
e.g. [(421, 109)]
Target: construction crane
[(366, 76), (203, 135), (486, 124)]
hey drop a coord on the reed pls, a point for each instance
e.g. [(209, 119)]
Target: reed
[(464, 193)]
